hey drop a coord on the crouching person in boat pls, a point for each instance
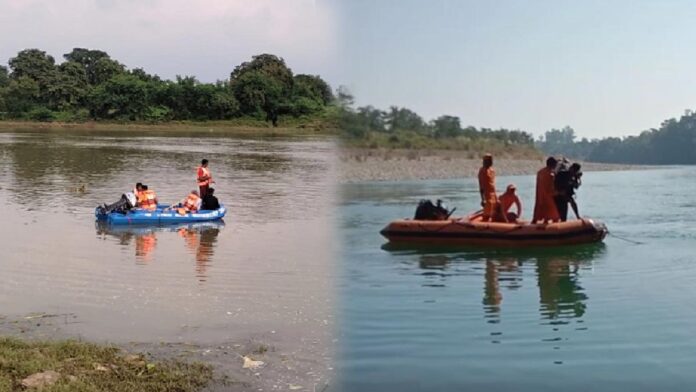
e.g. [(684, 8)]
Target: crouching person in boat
[(147, 199), (192, 203), (210, 202), (505, 202)]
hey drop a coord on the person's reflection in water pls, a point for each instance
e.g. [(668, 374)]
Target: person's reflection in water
[(144, 247), (560, 293), (491, 293), (145, 239), (201, 242), (492, 296)]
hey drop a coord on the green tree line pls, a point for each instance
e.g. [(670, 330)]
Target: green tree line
[(674, 143), (90, 85), (398, 123)]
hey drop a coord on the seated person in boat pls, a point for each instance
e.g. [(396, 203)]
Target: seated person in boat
[(210, 202), (505, 202), (567, 180), (127, 201), (147, 199), (191, 203)]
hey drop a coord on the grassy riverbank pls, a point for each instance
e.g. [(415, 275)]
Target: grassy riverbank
[(250, 127), (79, 366)]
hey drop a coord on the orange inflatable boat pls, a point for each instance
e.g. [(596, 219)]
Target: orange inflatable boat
[(472, 231)]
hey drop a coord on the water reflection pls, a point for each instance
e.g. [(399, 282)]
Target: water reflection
[(557, 273), (199, 239)]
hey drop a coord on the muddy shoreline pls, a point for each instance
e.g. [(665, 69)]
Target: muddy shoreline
[(282, 369), (402, 165)]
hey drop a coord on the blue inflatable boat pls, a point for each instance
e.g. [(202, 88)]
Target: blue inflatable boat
[(160, 216)]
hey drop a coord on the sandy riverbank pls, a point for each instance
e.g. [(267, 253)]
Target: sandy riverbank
[(391, 165)]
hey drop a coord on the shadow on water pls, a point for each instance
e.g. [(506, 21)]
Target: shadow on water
[(199, 238)]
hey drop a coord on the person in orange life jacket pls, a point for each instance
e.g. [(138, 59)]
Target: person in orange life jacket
[(147, 199), (204, 178), (191, 203), (125, 203), (505, 202)]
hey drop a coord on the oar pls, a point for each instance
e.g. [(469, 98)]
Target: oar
[(451, 212)]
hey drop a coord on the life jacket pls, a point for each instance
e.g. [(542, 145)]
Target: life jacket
[(192, 203), (202, 172), (147, 200)]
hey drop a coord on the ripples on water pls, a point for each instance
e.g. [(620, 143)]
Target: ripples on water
[(265, 270), (606, 317)]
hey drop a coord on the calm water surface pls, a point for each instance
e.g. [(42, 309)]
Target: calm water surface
[(264, 271), (608, 317)]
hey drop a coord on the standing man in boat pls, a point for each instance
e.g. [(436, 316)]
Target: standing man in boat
[(204, 178), (566, 182), (486, 178), (545, 206)]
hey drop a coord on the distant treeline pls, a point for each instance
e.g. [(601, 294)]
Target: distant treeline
[(401, 127), (90, 85), (674, 143)]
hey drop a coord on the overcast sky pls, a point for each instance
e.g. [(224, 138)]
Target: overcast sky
[(204, 38), (604, 67)]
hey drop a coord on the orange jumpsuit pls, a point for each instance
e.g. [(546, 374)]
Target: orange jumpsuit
[(486, 177), (545, 206)]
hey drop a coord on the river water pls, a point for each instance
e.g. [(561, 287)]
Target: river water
[(264, 272), (607, 317)]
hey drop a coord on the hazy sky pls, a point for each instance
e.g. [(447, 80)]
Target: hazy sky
[(604, 67), (204, 38)]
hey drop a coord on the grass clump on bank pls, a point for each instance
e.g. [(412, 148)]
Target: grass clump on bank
[(79, 366)]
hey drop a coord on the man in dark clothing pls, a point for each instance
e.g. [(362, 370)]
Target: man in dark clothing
[(210, 202), (566, 182)]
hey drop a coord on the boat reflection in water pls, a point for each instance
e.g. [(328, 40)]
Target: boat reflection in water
[(199, 238), (557, 273)]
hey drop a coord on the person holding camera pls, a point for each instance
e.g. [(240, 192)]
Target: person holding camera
[(566, 182)]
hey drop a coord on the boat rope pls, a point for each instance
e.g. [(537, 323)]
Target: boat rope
[(625, 239)]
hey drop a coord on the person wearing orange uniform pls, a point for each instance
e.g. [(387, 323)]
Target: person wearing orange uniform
[(204, 178), (506, 201), (545, 206), (486, 178), (147, 199)]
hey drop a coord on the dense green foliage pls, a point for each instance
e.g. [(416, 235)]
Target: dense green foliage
[(89, 84), (673, 143), (402, 128)]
